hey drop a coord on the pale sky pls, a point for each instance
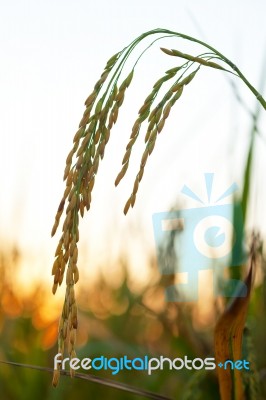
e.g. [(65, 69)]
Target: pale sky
[(53, 52)]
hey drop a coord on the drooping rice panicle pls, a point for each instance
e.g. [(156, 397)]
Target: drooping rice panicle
[(102, 108), (157, 120)]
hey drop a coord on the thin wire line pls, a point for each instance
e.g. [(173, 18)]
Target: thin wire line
[(95, 379)]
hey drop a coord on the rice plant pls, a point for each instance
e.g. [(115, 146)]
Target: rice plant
[(102, 109)]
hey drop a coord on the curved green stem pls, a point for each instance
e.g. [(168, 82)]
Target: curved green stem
[(220, 55)]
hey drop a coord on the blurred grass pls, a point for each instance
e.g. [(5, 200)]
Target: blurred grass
[(114, 321)]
